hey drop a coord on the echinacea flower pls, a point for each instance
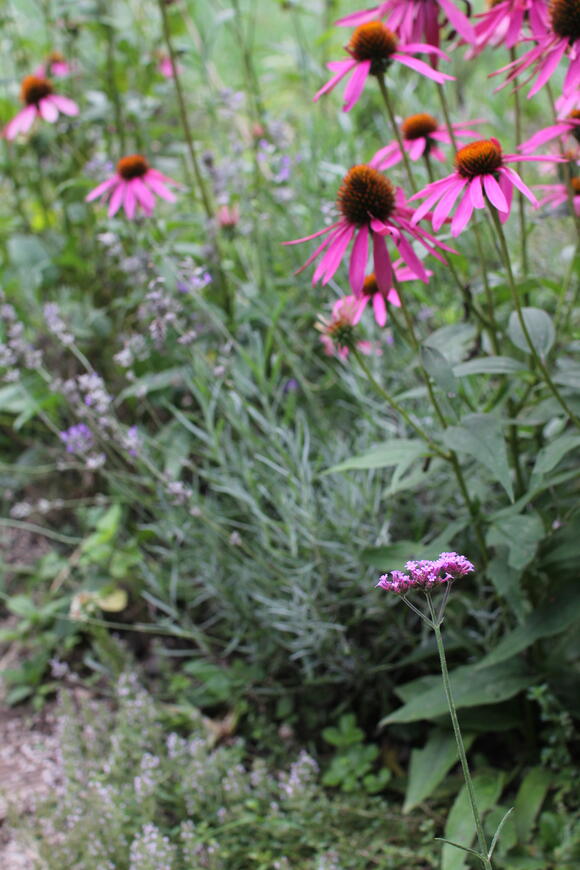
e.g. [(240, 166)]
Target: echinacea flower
[(372, 210), (569, 125), (372, 49), (166, 67), (228, 216), (371, 292), (415, 20), (55, 65), (421, 135), (480, 173), (133, 186), (556, 36), (427, 574), (337, 331), (40, 101), (557, 194), (503, 23)]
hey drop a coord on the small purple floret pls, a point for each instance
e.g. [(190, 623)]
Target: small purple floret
[(426, 573), (78, 438)]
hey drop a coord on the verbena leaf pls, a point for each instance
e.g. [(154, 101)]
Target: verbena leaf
[(529, 800), (481, 436), (402, 450), (430, 765), (539, 326), (438, 367), (460, 826), (520, 534), (489, 365), (550, 455), (549, 619), (394, 556), (472, 686)]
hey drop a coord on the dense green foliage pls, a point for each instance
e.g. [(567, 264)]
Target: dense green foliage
[(240, 490)]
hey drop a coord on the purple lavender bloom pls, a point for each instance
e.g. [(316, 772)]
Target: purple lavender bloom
[(78, 438), (427, 573)]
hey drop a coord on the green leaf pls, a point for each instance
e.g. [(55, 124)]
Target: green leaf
[(169, 378), (430, 765), (520, 534), (498, 831), (507, 581), (396, 452), (539, 326), (452, 341), (394, 556), (529, 800), (547, 620), (489, 365), (481, 436), (550, 455), (438, 367), (460, 825), (472, 686)]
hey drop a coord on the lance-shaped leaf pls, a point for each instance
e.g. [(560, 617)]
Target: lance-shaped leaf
[(481, 436)]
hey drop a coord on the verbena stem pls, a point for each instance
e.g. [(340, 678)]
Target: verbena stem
[(458, 737)]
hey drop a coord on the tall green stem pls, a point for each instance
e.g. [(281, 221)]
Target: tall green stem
[(520, 315), (396, 131), (113, 91), (521, 205), (459, 739)]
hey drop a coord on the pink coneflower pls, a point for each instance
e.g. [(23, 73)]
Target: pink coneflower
[(55, 65), (166, 67), (503, 24), (565, 126), (421, 135), (427, 574), (228, 216), (372, 210), (337, 331), (480, 173), (40, 102), (557, 194), (371, 292), (556, 36), (415, 20), (372, 49), (133, 186)]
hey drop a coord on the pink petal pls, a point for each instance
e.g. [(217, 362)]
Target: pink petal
[(159, 188), (411, 259), (476, 192), (425, 47), (462, 216), (21, 123), (48, 110), (517, 182), (447, 202), (315, 254), (117, 198), (548, 67), (423, 68), (382, 264), (336, 253), (386, 157), (101, 188), (380, 309), (356, 84), (321, 267), (332, 82), (417, 148), (314, 235), (64, 105), (458, 20), (130, 203), (358, 260), (494, 193), (143, 195)]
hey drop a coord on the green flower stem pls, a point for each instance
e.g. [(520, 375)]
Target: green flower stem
[(396, 407), (521, 204), (516, 299), (387, 101), (452, 456), (113, 92), (458, 738)]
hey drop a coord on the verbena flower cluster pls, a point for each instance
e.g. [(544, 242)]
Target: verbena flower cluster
[(427, 574)]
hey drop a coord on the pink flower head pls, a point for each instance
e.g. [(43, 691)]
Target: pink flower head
[(421, 135), (564, 127), (371, 292), (228, 216), (557, 194), (416, 20), (337, 331), (166, 68), (427, 574), (372, 49), (40, 102), (480, 174), (556, 35), (372, 211), (55, 65), (503, 24), (133, 186)]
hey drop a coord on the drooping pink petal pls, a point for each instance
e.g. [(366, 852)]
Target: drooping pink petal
[(411, 259), (462, 216), (334, 239), (494, 193), (117, 197), (21, 123), (158, 187), (130, 202), (417, 148), (380, 308), (315, 253), (386, 157), (573, 75), (382, 264), (447, 202), (358, 260), (356, 84), (64, 105), (383, 229), (507, 190), (314, 235), (476, 192), (517, 182), (548, 133), (101, 188), (337, 252), (144, 196), (548, 67), (423, 68), (347, 65), (48, 110), (458, 20)]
